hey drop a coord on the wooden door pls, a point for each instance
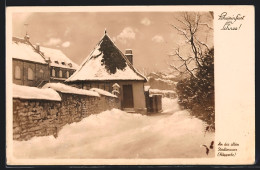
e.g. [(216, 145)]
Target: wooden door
[(128, 101)]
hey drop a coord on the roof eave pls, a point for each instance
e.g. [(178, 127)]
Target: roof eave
[(91, 80)]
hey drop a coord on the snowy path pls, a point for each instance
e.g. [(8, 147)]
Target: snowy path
[(117, 134)]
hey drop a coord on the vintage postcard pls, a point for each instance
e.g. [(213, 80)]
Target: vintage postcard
[(130, 85)]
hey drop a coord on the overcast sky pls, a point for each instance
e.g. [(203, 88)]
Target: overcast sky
[(148, 34)]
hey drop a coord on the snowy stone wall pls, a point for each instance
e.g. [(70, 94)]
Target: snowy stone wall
[(76, 107), (34, 118), (45, 117)]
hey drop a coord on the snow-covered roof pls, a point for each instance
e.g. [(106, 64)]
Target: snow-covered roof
[(103, 92), (115, 91), (146, 88), (106, 62), (115, 85), (69, 89), (161, 91), (58, 78), (58, 58), (22, 49), (26, 92)]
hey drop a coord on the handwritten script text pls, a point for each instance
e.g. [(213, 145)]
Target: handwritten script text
[(231, 21)]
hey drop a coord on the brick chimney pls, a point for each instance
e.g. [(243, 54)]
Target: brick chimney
[(129, 55), (26, 38), (37, 47)]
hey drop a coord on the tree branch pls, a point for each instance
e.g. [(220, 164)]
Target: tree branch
[(196, 23), (183, 32), (206, 25), (191, 26), (202, 43)]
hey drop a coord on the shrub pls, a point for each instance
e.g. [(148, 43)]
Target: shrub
[(197, 93)]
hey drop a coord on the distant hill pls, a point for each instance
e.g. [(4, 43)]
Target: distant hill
[(163, 81)]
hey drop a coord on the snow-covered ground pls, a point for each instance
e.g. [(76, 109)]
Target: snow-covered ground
[(117, 134), (170, 105)]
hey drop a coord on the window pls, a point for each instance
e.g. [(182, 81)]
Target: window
[(107, 87), (94, 85), (68, 74), (60, 73), (30, 74), (102, 86), (41, 73), (53, 73), (17, 72), (88, 86), (85, 87)]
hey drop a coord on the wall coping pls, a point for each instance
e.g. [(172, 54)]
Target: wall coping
[(103, 92), (27, 92), (63, 88)]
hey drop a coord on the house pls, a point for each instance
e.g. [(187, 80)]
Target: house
[(29, 67), (61, 67), (108, 68), (35, 65)]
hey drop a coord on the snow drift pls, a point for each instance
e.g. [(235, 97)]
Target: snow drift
[(26, 92), (69, 89), (117, 134)]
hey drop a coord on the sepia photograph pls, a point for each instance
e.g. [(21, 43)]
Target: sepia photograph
[(113, 85)]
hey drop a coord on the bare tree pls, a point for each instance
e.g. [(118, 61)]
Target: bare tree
[(196, 92), (190, 25)]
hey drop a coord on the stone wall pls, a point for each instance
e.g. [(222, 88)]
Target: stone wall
[(34, 118), (43, 117)]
